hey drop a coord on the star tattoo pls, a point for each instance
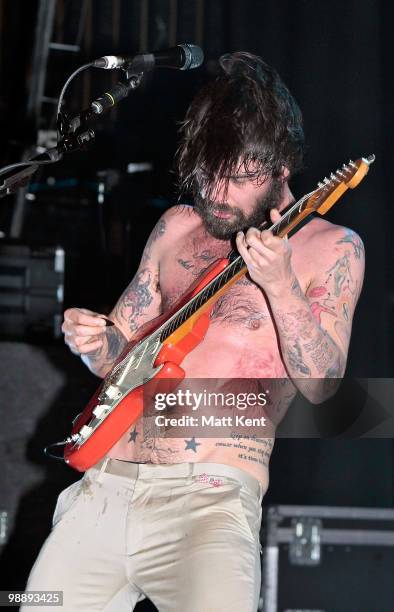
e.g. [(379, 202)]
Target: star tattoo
[(192, 444), (133, 435)]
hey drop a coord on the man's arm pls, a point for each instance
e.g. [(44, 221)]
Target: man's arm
[(99, 339), (314, 329)]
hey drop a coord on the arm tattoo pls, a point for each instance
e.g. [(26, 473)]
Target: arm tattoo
[(296, 359), (340, 270), (331, 377), (296, 289), (320, 352), (103, 358), (139, 294), (137, 297), (296, 324), (351, 237), (116, 343), (157, 232), (306, 347)]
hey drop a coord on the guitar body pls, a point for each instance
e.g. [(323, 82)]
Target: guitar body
[(160, 369), (152, 360)]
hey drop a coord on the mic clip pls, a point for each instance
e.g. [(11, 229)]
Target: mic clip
[(135, 69), (63, 123)]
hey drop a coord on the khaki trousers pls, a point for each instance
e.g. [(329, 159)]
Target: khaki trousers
[(184, 535)]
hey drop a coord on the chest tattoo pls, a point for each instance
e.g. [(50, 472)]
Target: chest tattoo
[(197, 262), (242, 305)]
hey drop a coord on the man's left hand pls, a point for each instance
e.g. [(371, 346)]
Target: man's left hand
[(267, 257)]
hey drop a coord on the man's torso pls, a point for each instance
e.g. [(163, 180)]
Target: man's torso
[(241, 343)]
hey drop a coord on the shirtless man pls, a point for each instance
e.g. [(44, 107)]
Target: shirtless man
[(183, 515)]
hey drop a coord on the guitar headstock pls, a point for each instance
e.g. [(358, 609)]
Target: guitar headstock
[(331, 189)]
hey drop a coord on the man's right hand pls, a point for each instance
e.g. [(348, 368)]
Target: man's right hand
[(83, 330)]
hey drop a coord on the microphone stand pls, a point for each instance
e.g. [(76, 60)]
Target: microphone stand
[(75, 133)]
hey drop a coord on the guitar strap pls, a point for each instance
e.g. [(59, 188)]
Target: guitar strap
[(301, 224)]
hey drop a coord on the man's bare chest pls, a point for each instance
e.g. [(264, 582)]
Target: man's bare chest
[(243, 304), (243, 307)]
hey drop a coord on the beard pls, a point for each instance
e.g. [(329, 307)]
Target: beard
[(224, 229)]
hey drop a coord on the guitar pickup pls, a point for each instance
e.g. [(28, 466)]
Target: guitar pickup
[(100, 409), (112, 392)]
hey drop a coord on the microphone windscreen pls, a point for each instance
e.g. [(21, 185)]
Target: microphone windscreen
[(194, 56)]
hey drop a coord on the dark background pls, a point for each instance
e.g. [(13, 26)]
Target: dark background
[(336, 59)]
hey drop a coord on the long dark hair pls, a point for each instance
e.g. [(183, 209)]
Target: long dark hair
[(246, 114)]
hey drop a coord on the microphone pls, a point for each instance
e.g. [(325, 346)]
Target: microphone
[(181, 57)]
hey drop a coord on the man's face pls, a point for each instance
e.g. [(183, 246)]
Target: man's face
[(246, 204)]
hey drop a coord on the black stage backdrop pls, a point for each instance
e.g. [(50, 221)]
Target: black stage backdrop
[(336, 58)]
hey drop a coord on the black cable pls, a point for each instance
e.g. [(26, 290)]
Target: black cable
[(48, 454), (30, 162), (66, 84)]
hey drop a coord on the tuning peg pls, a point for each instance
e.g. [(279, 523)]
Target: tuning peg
[(352, 164), (370, 159), (334, 178), (320, 184), (341, 173)]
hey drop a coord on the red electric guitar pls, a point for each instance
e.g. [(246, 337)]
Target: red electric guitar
[(159, 347)]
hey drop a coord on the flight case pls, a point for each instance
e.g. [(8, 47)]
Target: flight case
[(327, 559)]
